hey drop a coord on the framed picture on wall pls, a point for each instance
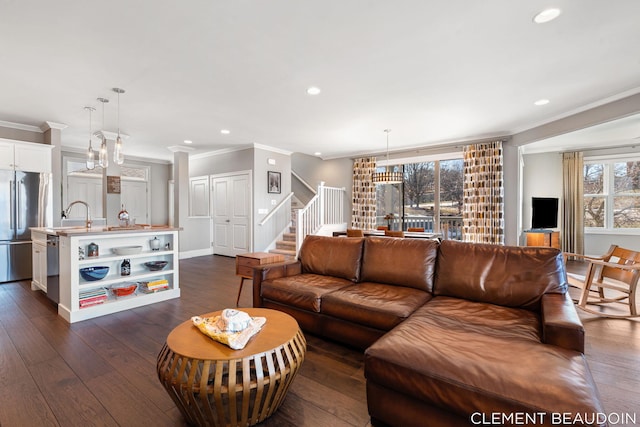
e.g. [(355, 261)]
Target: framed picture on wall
[(274, 181)]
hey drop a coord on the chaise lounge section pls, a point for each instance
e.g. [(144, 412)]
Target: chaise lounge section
[(455, 333)]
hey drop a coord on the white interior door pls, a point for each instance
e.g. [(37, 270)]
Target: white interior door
[(231, 208), (133, 194), (87, 189)]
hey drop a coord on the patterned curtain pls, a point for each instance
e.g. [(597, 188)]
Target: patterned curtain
[(572, 203), (363, 215), (483, 204)]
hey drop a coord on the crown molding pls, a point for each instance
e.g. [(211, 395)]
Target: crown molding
[(52, 125), (20, 126), (180, 149), (273, 149), (221, 151)]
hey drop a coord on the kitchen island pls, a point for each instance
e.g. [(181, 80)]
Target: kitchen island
[(80, 299)]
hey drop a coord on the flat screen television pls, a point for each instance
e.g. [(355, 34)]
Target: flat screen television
[(544, 212)]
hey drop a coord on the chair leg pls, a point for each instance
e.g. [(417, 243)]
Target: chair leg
[(242, 279), (588, 279)]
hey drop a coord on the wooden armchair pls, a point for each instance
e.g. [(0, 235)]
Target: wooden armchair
[(393, 233), (382, 227), (617, 271), (415, 229)]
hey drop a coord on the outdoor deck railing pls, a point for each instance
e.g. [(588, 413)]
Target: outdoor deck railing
[(449, 225)]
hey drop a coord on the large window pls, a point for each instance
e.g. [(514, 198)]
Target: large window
[(612, 194), (429, 197)]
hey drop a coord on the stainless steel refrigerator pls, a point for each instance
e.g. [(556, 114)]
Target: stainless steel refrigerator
[(19, 194)]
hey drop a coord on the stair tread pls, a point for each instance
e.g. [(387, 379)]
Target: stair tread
[(283, 252)]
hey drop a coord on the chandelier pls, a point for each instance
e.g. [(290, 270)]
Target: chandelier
[(389, 176)]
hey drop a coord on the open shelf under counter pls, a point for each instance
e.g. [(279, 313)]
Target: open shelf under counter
[(114, 305), (71, 283), (114, 257), (133, 277)]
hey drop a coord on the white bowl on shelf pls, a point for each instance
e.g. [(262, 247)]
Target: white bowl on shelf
[(127, 250)]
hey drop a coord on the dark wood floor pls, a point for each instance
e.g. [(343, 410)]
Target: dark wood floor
[(102, 371)]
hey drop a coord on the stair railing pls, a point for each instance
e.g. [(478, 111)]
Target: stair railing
[(276, 209), (325, 208), (303, 182)]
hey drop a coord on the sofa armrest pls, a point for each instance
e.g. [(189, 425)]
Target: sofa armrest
[(272, 271), (561, 325)]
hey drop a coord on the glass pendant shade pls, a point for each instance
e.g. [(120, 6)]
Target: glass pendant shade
[(91, 157), (118, 154), (103, 157)]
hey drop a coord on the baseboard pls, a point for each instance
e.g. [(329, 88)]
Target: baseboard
[(196, 252)]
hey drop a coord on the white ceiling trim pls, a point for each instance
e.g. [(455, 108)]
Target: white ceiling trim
[(20, 126)]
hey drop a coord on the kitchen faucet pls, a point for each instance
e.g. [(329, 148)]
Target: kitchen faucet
[(65, 213)]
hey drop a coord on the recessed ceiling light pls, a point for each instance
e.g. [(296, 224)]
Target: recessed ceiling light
[(546, 15), (313, 90), (225, 131), (541, 102), (188, 141), (317, 153)]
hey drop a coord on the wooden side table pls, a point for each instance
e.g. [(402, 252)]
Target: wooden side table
[(246, 262), (213, 385), (548, 238)]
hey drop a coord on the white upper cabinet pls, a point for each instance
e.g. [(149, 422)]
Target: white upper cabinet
[(25, 156)]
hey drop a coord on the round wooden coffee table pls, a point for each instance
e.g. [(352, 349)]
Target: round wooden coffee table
[(214, 385)]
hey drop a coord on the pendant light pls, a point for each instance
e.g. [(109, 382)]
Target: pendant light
[(389, 176), (91, 155), (103, 156), (118, 154)]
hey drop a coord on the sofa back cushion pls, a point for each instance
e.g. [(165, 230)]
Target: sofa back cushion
[(332, 256), (504, 275), (400, 261)]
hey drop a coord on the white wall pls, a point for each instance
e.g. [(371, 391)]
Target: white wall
[(511, 170), (265, 234), (541, 177), (335, 173)]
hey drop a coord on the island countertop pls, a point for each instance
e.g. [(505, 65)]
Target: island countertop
[(79, 230)]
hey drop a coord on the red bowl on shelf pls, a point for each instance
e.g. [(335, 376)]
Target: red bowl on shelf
[(124, 289)]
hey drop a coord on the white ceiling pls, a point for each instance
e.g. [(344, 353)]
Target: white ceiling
[(434, 71)]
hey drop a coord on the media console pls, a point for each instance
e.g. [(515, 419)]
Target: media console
[(547, 238)]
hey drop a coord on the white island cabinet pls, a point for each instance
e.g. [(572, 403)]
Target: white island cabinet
[(73, 247)]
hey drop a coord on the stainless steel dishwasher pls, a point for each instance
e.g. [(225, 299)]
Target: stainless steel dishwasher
[(53, 268)]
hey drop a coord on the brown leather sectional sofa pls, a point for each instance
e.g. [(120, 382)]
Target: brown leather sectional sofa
[(455, 333)]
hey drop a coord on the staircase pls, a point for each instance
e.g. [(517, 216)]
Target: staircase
[(287, 246), (325, 208)]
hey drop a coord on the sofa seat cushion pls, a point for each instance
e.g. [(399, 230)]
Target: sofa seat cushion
[(469, 357), (303, 291), (375, 305)]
